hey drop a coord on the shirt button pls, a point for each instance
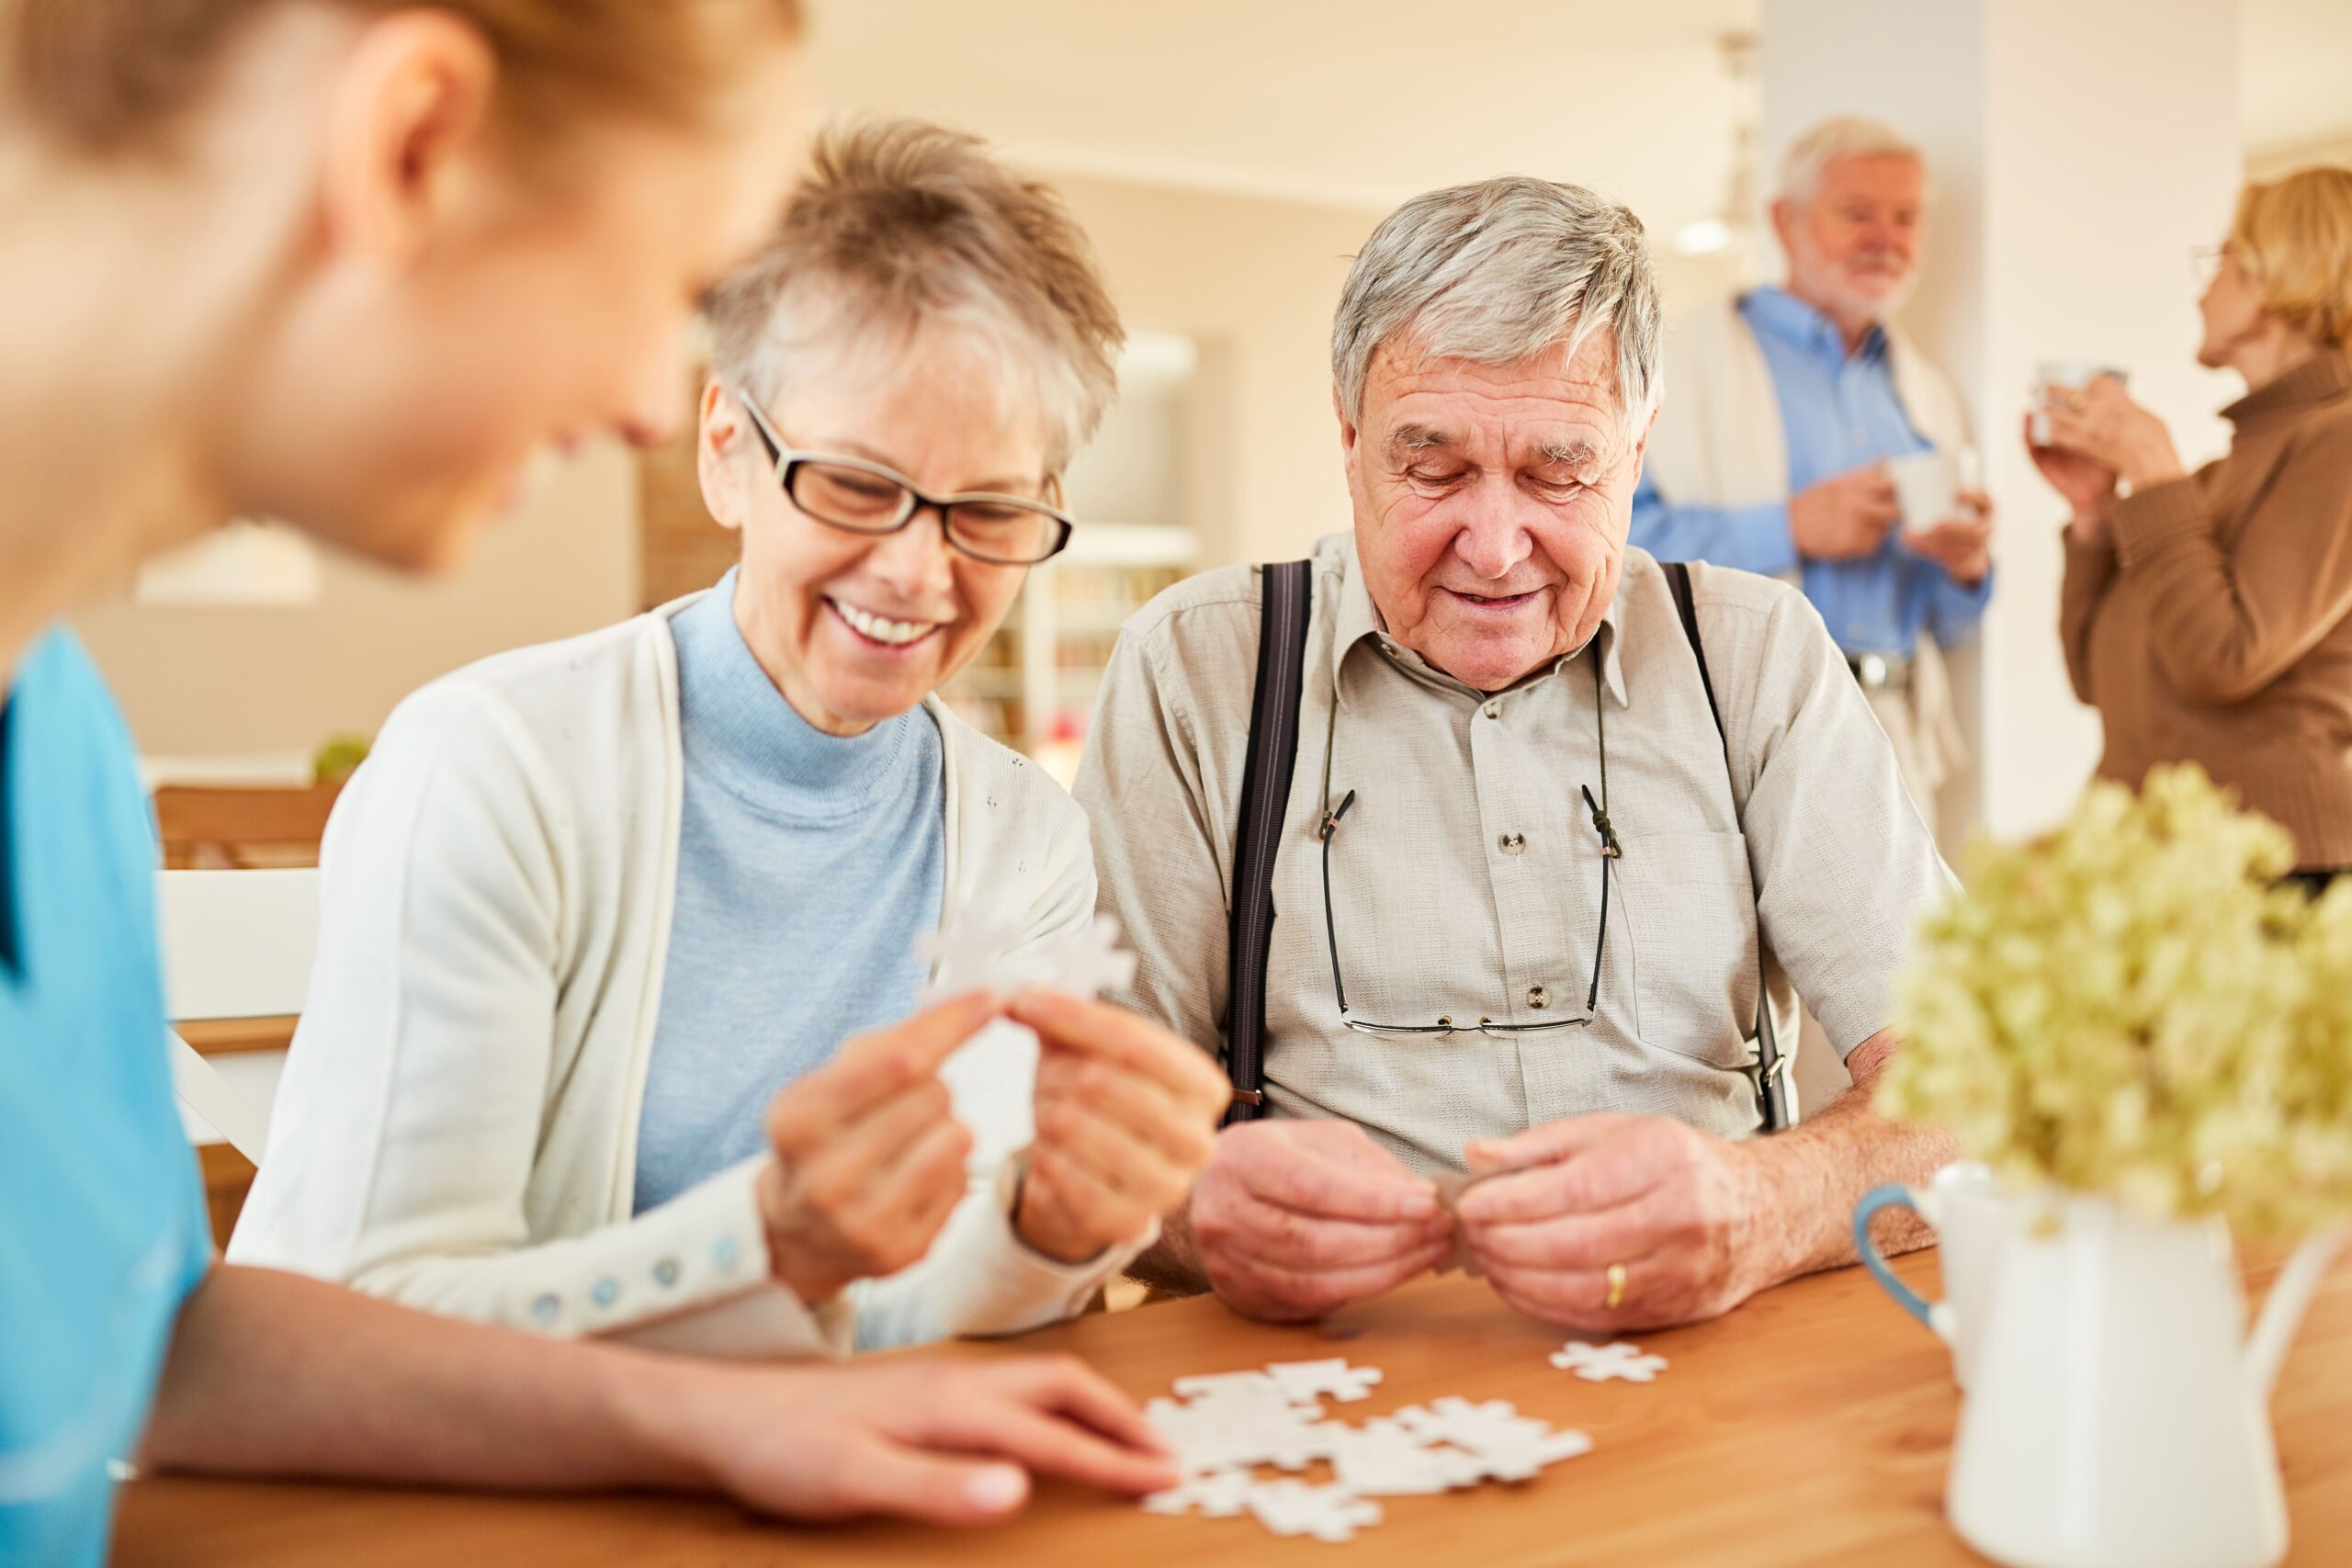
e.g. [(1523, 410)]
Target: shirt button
[(665, 1273), (606, 1292), (1512, 843), (1538, 997), (546, 1306), (1494, 710), (724, 1252)]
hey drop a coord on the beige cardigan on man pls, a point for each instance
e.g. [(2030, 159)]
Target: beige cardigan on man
[(2214, 625)]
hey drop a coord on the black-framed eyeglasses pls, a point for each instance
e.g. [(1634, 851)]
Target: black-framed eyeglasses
[(862, 497), (1447, 1022)]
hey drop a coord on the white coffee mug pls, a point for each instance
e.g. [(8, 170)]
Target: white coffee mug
[(2054, 376), (1971, 1215), (1927, 488)]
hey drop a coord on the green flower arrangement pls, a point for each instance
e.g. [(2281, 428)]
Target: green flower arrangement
[(2132, 1006)]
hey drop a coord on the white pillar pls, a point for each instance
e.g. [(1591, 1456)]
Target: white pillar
[(2080, 149)]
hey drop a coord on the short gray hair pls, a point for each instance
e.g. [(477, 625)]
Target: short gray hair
[(1846, 136), (1499, 272), (901, 224)]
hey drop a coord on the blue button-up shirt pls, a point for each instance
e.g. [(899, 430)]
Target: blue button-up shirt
[(1841, 412)]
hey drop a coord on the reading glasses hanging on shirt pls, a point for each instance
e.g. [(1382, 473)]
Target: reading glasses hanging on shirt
[(1460, 1022)]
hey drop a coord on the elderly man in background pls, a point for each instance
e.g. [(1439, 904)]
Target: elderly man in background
[(1529, 893), (1787, 404)]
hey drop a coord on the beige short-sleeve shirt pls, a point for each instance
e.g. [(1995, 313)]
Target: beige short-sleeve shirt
[(1467, 876)]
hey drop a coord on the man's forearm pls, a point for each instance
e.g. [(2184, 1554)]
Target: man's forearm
[(272, 1373), (1810, 1178), (1173, 1262)]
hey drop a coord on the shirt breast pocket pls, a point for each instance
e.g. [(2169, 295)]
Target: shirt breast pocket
[(1690, 910)]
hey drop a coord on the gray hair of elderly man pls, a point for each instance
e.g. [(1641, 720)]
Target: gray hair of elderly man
[(1499, 272), (900, 226), (1843, 136)]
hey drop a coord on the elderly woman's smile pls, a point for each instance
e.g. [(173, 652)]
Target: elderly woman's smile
[(881, 630)]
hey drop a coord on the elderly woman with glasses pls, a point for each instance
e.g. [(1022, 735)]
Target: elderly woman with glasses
[(614, 1027), (2207, 616)]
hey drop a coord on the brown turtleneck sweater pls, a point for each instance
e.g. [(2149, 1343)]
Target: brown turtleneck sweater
[(2214, 625)]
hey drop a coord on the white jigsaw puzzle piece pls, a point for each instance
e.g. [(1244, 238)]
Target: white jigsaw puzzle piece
[(1305, 1382), (1382, 1458), (1509, 1445), (976, 950), (1327, 1513), (1241, 1423), (967, 955), (1599, 1363), (1087, 961), (1231, 1386), (1218, 1495)]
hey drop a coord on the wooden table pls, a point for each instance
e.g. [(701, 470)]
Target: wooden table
[(1813, 1425)]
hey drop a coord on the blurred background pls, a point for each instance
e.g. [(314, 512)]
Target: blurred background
[(1228, 158)]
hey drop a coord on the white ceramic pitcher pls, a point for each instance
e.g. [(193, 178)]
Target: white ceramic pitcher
[(2119, 1415), (1970, 1212)]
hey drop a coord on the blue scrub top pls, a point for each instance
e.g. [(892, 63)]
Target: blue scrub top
[(103, 1230)]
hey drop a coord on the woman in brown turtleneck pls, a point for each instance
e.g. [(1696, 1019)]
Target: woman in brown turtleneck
[(2208, 616)]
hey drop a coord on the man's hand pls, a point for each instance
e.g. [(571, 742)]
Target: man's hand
[(1845, 516), (1126, 1118), (1670, 1205), (946, 1442), (869, 1156), (1962, 545), (1297, 1219)]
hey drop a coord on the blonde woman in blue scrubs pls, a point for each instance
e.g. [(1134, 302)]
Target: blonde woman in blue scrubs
[(349, 264)]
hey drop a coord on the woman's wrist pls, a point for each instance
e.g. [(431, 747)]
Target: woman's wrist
[(2151, 461), (650, 1403)]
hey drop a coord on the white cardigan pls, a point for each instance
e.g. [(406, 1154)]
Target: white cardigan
[(457, 1128)]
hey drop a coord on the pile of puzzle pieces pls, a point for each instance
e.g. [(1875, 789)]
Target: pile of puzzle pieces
[(1229, 1423)]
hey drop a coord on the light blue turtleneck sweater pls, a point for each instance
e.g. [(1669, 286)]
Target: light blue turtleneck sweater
[(806, 864)]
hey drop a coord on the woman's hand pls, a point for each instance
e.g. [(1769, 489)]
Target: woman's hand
[(2100, 422), (1126, 1118), (2088, 484), (949, 1443), (869, 1156)]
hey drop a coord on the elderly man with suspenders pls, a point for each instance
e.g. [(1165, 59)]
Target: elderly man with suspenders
[(1482, 842)]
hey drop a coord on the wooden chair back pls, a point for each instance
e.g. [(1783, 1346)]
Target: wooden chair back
[(242, 828)]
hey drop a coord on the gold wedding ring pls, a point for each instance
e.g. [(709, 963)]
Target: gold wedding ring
[(1616, 1286)]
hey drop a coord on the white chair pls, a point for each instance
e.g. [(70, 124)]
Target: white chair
[(236, 945)]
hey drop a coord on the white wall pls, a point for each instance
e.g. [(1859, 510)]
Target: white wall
[(206, 682)]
